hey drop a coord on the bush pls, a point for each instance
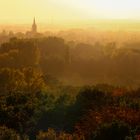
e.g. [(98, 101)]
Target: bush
[(7, 134), (53, 135), (113, 131)]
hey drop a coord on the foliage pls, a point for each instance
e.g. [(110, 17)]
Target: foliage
[(33, 100), (115, 131), (7, 134), (53, 135)]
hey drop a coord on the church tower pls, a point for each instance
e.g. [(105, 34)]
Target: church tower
[(34, 27)]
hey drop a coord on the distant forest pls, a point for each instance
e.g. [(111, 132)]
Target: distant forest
[(56, 89), (74, 63)]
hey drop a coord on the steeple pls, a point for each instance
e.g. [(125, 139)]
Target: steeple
[(34, 26)]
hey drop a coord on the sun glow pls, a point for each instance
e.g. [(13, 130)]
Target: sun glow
[(20, 11), (107, 8)]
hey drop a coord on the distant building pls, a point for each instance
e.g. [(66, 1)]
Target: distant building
[(33, 32), (34, 27)]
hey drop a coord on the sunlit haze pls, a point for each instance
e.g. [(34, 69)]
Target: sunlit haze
[(69, 69), (60, 11)]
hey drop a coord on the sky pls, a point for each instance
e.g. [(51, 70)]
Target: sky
[(60, 11)]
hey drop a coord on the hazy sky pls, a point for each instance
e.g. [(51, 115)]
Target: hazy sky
[(46, 11)]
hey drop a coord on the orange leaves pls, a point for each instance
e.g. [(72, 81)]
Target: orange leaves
[(118, 92), (93, 119)]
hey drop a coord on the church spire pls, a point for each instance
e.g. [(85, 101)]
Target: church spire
[(34, 26)]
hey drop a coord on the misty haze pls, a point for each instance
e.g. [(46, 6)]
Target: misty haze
[(70, 70)]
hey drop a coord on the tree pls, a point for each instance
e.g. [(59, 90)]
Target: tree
[(112, 131), (7, 134)]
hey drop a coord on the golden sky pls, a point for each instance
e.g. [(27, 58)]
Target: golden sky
[(59, 11)]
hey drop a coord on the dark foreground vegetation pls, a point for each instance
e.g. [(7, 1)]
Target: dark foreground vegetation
[(93, 113), (35, 105)]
